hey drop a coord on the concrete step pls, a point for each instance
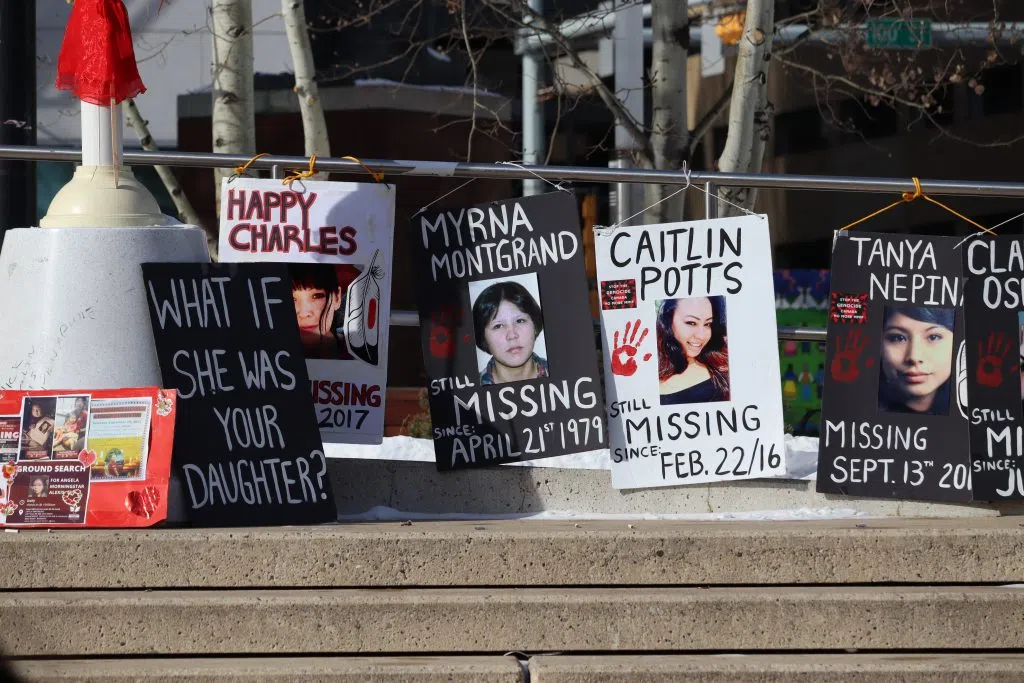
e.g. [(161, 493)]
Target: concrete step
[(521, 553), (817, 668), (499, 620), (257, 669)]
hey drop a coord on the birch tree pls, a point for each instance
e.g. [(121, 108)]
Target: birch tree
[(233, 118), (669, 136), (314, 126), (750, 114)]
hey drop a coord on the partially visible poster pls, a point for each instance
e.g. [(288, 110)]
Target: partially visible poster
[(508, 340), (801, 301), (994, 308), (894, 413), (108, 464), (691, 363), (337, 239)]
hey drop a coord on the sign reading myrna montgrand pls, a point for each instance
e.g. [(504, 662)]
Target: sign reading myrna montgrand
[(247, 447), (508, 342), (894, 413), (994, 307), (691, 359)]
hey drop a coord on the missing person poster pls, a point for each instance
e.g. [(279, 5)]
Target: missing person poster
[(108, 463), (994, 308), (336, 239), (894, 414), (508, 341), (691, 361)]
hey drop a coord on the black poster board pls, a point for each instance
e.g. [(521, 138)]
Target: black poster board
[(509, 344), (246, 446), (994, 307), (893, 415)]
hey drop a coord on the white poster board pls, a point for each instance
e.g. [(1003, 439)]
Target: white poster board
[(338, 238), (690, 352)]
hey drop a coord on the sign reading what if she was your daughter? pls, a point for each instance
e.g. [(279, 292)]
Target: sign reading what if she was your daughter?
[(508, 341), (691, 360), (246, 446)]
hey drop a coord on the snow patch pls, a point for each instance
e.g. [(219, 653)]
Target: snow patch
[(382, 513)]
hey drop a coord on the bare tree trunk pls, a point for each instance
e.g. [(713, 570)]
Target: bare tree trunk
[(749, 111), (314, 126), (669, 127), (233, 119), (181, 202)]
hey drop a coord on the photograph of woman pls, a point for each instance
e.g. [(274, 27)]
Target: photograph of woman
[(38, 487), (693, 357), (319, 295), (507, 322), (916, 360)]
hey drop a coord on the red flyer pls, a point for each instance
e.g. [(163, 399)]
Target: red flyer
[(85, 458)]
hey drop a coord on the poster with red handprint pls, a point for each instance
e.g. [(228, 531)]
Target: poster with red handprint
[(691, 365), (894, 415), (119, 475), (337, 239), (994, 308), (508, 342)]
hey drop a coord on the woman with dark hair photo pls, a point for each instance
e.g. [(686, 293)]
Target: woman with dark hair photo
[(507, 321), (318, 297), (917, 360), (693, 359)]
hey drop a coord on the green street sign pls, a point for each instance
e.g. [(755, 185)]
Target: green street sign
[(899, 34)]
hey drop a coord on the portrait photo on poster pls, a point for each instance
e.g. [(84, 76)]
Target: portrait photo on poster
[(318, 292), (693, 353), (916, 360), (39, 486), (37, 422), (508, 326)]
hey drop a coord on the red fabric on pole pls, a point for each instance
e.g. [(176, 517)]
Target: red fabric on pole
[(97, 60)]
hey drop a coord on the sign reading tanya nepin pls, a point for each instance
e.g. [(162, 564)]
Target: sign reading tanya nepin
[(894, 421), (247, 448), (994, 306), (691, 363), (336, 239), (508, 341)]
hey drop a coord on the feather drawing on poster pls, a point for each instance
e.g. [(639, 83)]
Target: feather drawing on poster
[(362, 306)]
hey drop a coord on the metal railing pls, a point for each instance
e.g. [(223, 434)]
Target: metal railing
[(510, 171)]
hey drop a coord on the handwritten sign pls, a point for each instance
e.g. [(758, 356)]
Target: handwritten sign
[(508, 341), (248, 450), (894, 413), (337, 240), (691, 363), (994, 308)]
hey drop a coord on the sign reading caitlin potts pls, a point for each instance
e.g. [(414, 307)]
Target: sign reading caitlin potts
[(508, 341), (691, 363), (994, 306), (337, 239), (894, 420)]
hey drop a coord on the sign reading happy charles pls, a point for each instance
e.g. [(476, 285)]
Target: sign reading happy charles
[(508, 341), (691, 361), (336, 239), (894, 414)]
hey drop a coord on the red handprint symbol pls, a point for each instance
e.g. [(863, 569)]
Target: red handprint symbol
[(443, 326), (990, 360), (624, 357), (844, 367)]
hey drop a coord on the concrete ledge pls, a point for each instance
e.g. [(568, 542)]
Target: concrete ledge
[(256, 669), (488, 620), (521, 553), (782, 668), (360, 485)]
